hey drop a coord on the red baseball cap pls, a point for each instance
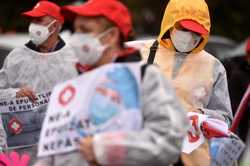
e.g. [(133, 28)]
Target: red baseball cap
[(193, 26), (113, 10), (45, 8)]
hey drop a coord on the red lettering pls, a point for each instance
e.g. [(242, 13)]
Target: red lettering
[(193, 137)]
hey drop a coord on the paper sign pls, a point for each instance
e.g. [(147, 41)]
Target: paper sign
[(194, 137), (203, 126), (24, 104), (218, 124), (225, 151), (105, 99)]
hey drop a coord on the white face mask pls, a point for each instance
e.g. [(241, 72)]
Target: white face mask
[(38, 33), (184, 41), (88, 48)]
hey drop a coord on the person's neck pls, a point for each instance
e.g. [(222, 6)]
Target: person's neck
[(50, 44), (109, 56)]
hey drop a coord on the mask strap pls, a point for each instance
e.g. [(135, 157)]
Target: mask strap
[(50, 25), (105, 33)]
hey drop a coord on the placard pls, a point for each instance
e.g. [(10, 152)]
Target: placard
[(24, 104), (106, 99)]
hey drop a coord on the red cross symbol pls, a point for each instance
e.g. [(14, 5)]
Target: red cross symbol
[(15, 126)]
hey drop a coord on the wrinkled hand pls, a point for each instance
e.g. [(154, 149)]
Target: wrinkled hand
[(86, 148), (14, 159), (26, 92)]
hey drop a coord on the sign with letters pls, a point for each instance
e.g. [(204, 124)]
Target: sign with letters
[(17, 105), (105, 99), (194, 136), (203, 127)]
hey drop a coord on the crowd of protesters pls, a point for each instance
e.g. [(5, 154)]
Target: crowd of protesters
[(98, 101)]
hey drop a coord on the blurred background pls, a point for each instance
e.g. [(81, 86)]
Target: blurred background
[(230, 23)]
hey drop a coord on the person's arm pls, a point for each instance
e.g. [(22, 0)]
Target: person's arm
[(164, 128), (3, 136), (6, 91), (219, 105)]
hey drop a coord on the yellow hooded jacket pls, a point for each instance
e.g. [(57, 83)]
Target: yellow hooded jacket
[(199, 78)]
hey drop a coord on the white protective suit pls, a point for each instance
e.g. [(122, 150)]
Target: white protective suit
[(40, 72)]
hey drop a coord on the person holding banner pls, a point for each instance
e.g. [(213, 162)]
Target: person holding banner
[(31, 71), (118, 111), (199, 78)]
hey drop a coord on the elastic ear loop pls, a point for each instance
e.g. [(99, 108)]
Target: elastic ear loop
[(50, 25), (104, 33)]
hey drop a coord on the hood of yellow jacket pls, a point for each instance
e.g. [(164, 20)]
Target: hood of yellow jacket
[(177, 10)]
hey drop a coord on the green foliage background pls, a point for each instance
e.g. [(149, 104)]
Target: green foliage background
[(230, 18)]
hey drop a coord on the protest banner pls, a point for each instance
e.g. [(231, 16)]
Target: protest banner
[(15, 105), (202, 127), (103, 100)]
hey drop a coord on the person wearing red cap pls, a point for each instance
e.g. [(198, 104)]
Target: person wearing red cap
[(35, 68), (199, 78), (238, 69), (101, 28), (46, 23)]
